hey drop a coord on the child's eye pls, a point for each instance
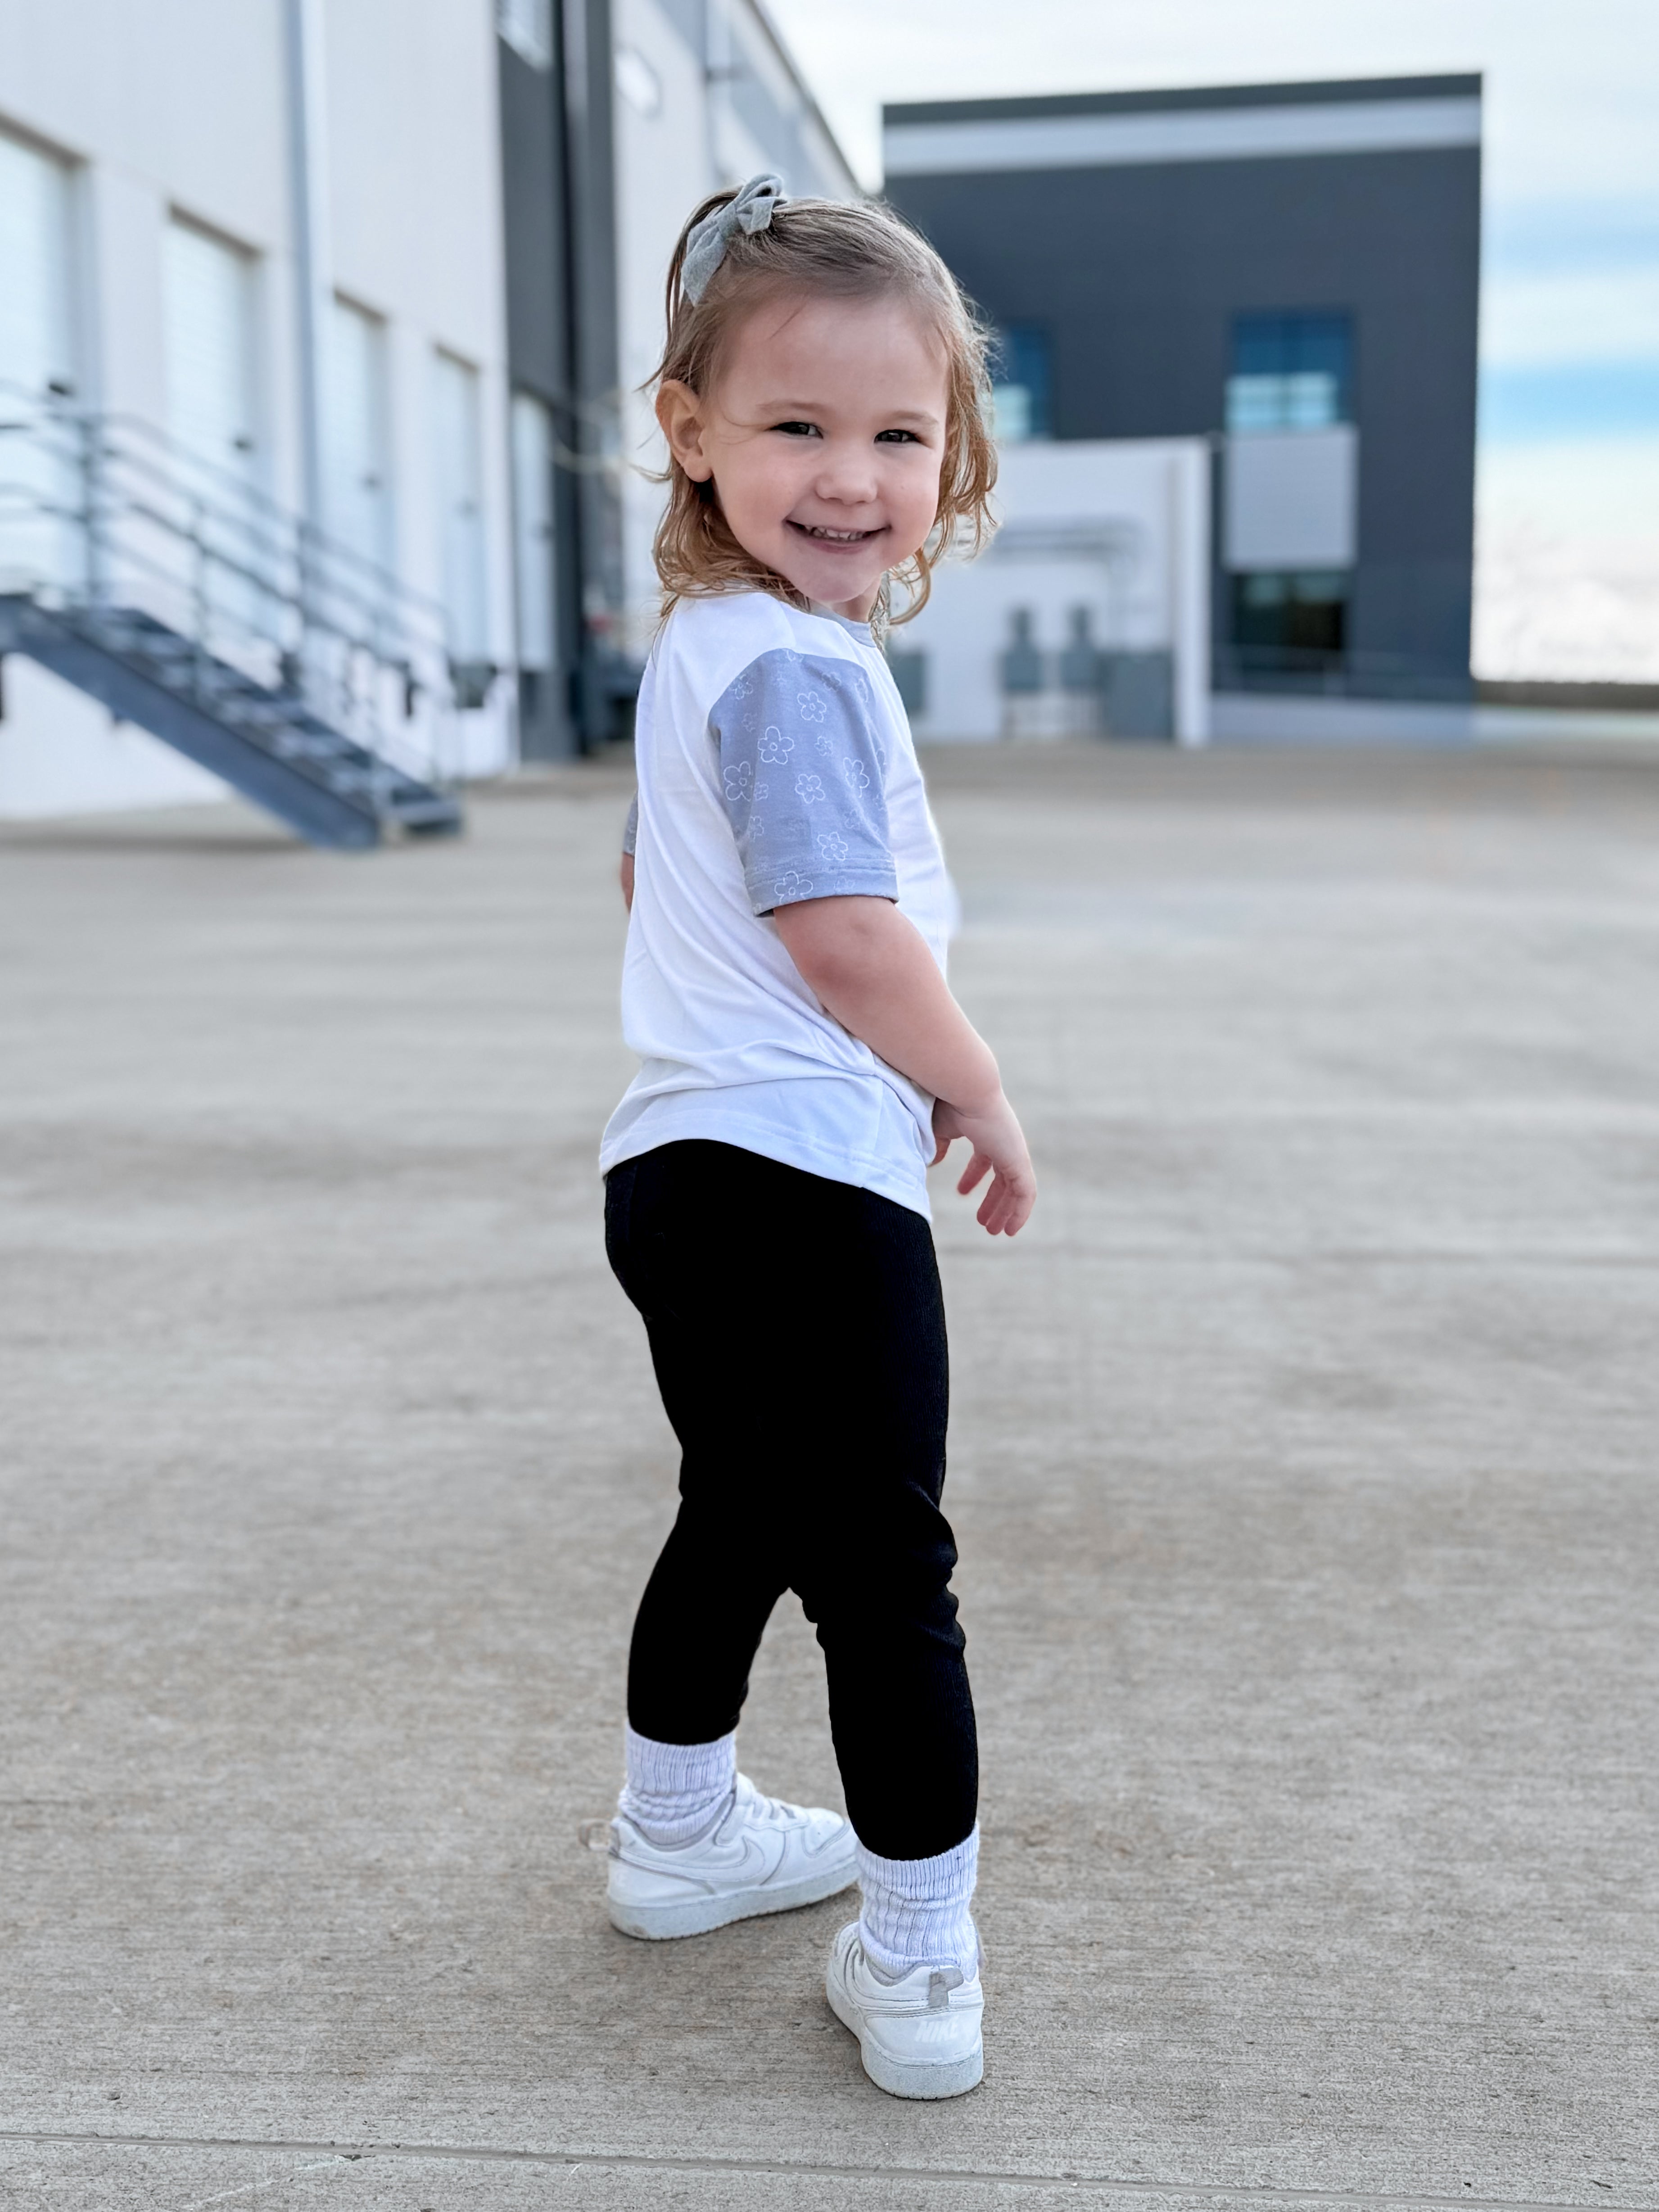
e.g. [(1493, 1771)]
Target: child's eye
[(897, 438), (798, 429)]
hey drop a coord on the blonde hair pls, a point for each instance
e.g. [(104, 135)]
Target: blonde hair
[(849, 250)]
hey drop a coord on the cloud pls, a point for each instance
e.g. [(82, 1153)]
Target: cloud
[(1591, 314), (1567, 560)]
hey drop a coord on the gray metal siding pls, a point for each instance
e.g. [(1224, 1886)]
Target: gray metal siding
[(1306, 92)]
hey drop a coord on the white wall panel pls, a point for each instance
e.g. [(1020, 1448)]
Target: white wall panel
[(1290, 499), (532, 530), (357, 464), (1174, 134), (457, 463), (37, 363), (36, 277), (208, 320)]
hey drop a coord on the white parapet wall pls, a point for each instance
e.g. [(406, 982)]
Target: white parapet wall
[(1107, 538)]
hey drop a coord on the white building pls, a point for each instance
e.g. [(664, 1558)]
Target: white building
[(1089, 615), (157, 167), (330, 314)]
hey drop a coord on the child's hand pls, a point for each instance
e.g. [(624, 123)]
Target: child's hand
[(999, 1146)]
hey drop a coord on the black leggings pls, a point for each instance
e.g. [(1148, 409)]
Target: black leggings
[(797, 1332)]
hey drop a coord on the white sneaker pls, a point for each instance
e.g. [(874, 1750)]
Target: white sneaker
[(919, 2037), (761, 1855)]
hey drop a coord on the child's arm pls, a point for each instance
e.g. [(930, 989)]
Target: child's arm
[(872, 971)]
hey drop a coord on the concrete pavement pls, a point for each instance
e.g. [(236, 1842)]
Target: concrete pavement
[(1303, 1461)]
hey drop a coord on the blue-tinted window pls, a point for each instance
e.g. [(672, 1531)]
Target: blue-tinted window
[(1021, 379), (1289, 623), (1290, 372)]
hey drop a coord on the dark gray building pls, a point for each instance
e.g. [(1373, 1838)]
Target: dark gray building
[(1292, 269), (558, 199)]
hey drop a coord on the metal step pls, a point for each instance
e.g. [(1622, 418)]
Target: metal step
[(266, 745)]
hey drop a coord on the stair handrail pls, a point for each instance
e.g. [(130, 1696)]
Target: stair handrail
[(241, 491), (250, 576)]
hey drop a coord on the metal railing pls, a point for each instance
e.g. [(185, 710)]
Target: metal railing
[(102, 516), (1335, 672)]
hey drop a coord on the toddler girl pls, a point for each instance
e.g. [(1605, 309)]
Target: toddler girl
[(802, 1062)]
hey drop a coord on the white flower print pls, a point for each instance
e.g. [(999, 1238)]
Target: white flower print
[(737, 776), (775, 748), (833, 847), (812, 707), (757, 825), (853, 769), (810, 789), (763, 790), (791, 885), (826, 743)]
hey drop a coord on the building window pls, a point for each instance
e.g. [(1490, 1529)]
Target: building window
[(527, 27), (1290, 621), (1021, 381), (1290, 372)]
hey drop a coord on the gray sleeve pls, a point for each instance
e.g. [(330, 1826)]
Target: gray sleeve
[(803, 773), (631, 827)]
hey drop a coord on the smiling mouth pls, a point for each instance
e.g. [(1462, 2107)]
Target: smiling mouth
[(822, 537)]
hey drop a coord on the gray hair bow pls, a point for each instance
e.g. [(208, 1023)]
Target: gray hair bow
[(705, 249)]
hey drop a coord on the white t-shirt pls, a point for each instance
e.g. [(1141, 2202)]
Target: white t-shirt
[(776, 764)]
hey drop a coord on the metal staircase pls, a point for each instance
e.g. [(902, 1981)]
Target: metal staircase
[(185, 601)]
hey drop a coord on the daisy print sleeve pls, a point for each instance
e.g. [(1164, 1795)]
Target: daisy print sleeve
[(803, 773)]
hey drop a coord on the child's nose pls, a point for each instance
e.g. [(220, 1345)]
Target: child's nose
[(847, 472)]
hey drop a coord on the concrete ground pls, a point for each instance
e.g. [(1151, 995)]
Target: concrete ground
[(1303, 1465)]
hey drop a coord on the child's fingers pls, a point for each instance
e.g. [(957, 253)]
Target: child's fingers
[(1006, 1209), (978, 1167), (994, 1210)]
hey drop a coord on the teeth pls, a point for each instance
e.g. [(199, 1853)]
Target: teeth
[(835, 536)]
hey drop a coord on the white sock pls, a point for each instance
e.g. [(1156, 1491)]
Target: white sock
[(916, 1911), (675, 1791)]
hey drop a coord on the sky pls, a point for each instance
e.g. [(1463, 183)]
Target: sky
[(1567, 505)]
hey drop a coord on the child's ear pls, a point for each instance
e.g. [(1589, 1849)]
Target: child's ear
[(679, 411)]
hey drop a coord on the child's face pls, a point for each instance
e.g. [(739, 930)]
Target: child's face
[(823, 436)]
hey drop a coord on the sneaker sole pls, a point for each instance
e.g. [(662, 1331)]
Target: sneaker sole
[(701, 1916), (901, 2079)]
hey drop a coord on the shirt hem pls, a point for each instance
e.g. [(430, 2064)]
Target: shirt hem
[(665, 1125), (849, 883)]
